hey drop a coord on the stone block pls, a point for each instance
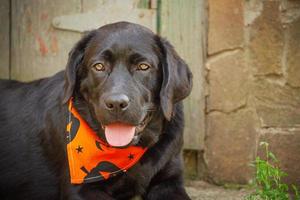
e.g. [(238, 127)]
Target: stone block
[(266, 40), (276, 105), (226, 28), (228, 82), (230, 146)]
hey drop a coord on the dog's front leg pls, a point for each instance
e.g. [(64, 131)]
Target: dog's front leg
[(168, 183), (167, 190)]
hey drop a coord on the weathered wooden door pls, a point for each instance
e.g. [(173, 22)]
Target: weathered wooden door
[(43, 32), (37, 36)]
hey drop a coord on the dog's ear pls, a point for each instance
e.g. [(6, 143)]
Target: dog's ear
[(75, 58), (177, 79)]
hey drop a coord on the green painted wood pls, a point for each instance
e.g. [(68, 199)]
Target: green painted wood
[(4, 39), (38, 49), (106, 13), (182, 22), (143, 4)]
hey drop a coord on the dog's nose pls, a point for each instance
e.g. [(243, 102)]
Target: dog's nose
[(116, 102)]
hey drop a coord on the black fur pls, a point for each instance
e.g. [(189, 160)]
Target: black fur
[(33, 118)]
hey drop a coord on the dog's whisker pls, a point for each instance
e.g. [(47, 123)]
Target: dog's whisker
[(150, 107)]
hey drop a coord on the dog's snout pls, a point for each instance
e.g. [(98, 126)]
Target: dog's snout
[(116, 102)]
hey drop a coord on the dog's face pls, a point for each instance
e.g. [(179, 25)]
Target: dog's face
[(126, 73)]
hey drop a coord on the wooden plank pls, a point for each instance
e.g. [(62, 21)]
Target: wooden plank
[(190, 160), (98, 13), (38, 50), (88, 5), (183, 24), (107, 14), (4, 39)]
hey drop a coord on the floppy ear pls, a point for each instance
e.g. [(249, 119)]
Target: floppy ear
[(75, 58), (177, 79)]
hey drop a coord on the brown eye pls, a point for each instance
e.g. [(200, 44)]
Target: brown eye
[(143, 66), (99, 67)]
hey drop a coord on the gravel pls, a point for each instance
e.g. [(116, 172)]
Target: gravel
[(199, 190)]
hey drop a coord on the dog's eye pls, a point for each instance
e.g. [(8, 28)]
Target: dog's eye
[(99, 67), (143, 66)]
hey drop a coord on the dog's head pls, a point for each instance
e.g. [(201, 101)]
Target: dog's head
[(125, 73)]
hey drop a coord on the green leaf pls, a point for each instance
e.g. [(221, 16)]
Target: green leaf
[(272, 156)]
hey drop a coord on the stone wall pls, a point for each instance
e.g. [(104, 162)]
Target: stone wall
[(253, 83)]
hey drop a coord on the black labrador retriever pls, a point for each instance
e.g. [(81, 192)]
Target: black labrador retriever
[(121, 73)]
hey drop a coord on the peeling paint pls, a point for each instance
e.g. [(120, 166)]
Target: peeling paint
[(44, 16), (42, 45)]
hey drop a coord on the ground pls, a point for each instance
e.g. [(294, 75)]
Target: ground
[(199, 190)]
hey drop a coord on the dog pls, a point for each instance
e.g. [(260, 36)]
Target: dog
[(120, 77)]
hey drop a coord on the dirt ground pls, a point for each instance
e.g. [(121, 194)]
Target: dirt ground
[(199, 190)]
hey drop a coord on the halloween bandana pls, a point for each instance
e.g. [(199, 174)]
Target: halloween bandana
[(92, 159)]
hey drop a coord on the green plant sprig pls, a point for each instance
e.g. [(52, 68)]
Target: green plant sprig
[(268, 179)]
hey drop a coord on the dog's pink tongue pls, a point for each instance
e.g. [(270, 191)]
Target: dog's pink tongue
[(119, 134)]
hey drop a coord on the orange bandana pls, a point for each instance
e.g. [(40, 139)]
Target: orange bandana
[(90, 158)]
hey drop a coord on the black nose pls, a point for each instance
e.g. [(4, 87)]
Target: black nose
[(116, 102)]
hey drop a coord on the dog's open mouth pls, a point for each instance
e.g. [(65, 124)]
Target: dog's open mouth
[(119, 134)]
